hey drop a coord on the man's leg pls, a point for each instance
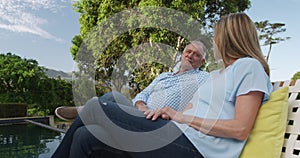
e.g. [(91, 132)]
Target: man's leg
[(129, 130), (67, 113), (88, 115), (70, 113), (116, 97), (63, 149)]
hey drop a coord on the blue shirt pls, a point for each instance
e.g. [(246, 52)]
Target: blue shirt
[(215, 99), (173, 90)]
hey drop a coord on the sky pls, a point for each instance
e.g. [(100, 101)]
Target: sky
[(39, 29), (284, 59), (43, 30)]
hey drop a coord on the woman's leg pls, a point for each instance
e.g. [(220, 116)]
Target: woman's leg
[(86, 144), (179, 148)]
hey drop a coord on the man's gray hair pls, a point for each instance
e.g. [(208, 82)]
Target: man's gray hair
[(199, 46)]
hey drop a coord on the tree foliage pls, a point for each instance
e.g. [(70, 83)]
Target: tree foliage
[(268, 34), (296, 76), (24, 81), (95, 13), (17, 77)]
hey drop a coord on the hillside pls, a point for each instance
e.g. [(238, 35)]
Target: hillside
[(54, 74)]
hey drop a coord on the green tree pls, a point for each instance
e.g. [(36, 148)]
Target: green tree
[(24, 81), (268, 34), (17, 77), (296, 76), (50, 93), (95, 12)]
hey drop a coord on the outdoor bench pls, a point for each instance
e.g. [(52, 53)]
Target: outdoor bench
[(291, 144), (276, 132), (288, 138)]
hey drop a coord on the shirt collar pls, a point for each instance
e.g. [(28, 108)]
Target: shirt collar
[(190, 71)]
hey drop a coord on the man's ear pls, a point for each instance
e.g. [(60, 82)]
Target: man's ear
[(202, 61)]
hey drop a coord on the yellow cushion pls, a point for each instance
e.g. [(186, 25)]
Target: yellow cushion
[(266, 138)]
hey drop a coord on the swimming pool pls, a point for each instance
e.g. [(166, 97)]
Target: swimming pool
[(28, 140)]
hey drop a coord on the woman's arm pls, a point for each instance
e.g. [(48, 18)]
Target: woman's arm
[(246, 109)]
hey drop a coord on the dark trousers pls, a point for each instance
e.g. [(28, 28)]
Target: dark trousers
[(107, 128)]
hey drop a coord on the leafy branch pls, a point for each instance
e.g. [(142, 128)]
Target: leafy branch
[(267, 34)]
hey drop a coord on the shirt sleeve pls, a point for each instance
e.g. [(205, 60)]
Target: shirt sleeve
[(249, 75), (144, 95)]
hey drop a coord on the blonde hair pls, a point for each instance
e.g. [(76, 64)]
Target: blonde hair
[(236, 37)]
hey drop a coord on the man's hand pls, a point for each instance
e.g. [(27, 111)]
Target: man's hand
[(140, 105)]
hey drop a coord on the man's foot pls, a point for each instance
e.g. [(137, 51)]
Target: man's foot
[(66, 113)]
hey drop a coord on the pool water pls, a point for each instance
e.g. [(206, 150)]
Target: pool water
[(28, 141)]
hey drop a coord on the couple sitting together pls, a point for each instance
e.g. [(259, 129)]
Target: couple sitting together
[(190, 113)]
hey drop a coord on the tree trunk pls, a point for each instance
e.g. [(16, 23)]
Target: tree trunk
[(270, 47)]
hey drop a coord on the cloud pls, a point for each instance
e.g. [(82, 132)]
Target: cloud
[(18, 16)]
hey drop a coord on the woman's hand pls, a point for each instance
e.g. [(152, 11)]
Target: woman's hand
[(140, 105), (154, 114)]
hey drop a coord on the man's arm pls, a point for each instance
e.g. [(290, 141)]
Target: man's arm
[(140, 100)]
